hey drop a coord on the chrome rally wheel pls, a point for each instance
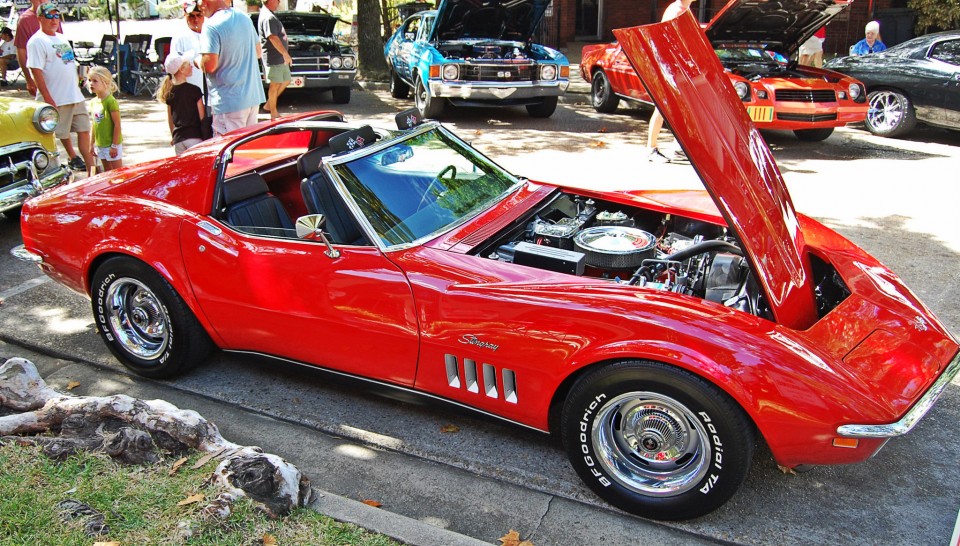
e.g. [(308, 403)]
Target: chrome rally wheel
[(656, 440), (137, 318), (651, 444)]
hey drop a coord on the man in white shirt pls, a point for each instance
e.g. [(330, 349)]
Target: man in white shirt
[(8, 53), (54, 68), (187, 41)]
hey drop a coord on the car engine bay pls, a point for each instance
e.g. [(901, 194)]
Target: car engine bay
[(584, 237), (486, 51)]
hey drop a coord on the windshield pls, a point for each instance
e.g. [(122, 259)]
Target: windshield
[(738, 55), (422, 186)]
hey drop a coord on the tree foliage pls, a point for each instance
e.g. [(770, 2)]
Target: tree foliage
[(935, 15)]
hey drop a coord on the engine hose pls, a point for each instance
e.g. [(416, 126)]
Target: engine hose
[(705, 246)]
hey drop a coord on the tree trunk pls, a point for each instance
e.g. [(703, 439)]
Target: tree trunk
[(373, 66)]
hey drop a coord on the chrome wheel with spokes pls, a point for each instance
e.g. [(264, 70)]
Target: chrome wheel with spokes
[(890, 114)]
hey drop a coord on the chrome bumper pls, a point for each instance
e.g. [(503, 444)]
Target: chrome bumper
[(494, 91), (913, 416), (14, 193)]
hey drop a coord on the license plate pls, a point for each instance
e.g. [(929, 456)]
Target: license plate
[(760, 113), (297, 81)]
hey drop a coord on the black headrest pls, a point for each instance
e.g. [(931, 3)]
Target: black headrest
[(408, 118), (352, 140), (309, 162), (243, 187)]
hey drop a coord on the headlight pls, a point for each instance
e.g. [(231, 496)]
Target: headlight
[(41, 160), (742, 89), (336, 63), (451, 72), (854, 90), (349, 63), (548, 72), (46, 118)]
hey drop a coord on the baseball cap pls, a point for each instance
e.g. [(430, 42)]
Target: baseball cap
[(175, 60), (46, 9)]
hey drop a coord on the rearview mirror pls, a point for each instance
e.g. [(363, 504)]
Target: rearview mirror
[(396, 155)]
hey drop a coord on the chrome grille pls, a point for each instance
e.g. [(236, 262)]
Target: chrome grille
[(807, 117), (472, 72), (310, 64), (805, 95)]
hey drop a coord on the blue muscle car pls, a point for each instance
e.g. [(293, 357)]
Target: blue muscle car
[(477, 53)]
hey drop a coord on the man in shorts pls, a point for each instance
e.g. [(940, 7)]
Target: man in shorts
[(54, 68), (273, 40), (230, 59)]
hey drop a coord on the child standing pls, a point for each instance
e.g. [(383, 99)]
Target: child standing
[(107, 142), (184, 102)]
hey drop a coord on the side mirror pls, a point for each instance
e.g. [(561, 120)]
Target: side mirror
[(310, 228)]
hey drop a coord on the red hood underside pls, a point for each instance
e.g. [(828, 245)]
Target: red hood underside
[(688, 85)]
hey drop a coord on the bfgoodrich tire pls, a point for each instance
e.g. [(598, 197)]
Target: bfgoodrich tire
[(655, 440), (144, 322)]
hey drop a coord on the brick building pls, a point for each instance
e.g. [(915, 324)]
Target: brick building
[(593, 20)]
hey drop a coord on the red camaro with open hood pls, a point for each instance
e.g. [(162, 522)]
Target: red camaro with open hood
[(753, 39), (661, 334)]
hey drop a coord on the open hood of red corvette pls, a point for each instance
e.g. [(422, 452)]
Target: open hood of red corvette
[(685, 80)]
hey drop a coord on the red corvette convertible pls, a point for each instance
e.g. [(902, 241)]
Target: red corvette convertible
[(753, 38), (661, 334)]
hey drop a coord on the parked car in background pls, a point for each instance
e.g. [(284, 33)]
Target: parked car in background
[(320, 61), (753, 41), (659, 333), (29, 160), (918, 80), (476, 54)]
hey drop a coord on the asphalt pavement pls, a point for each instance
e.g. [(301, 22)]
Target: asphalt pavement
[(473, 485)]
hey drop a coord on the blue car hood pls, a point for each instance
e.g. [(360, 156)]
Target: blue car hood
[(513, 20)]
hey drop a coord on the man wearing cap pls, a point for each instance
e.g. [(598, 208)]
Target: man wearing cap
[(871, 42), (53, 66), (230, 57), (273, 38), (27, 26), (187, 41)]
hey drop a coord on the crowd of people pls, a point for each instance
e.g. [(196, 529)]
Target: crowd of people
[(209, 67), (206, 89)]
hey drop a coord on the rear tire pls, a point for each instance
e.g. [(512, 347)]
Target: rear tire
[(813, 135), (543, 109), (602, 97), (143, 320), (341, 95), (398, 88), (891, 113), (655, 440)]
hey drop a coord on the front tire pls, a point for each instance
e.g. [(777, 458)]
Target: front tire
[(655, 440), (341, 95), (144, 322), (398, 88), (543, 109), (813, 135), (891, 113), (430, 107), (602, 97)]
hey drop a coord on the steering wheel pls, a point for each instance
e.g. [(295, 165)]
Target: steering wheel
[(426, 193)]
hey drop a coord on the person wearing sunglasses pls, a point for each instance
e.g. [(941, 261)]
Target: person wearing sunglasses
[(187, 41), (27, 26), (53, 66)]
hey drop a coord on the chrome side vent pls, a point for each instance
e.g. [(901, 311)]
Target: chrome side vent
[(453, 372), (509, 386), (490, 381), (470, 372), (470, 377)]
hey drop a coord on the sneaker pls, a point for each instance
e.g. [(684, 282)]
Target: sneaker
[(77, 164), (656, 157), (3, 83)]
